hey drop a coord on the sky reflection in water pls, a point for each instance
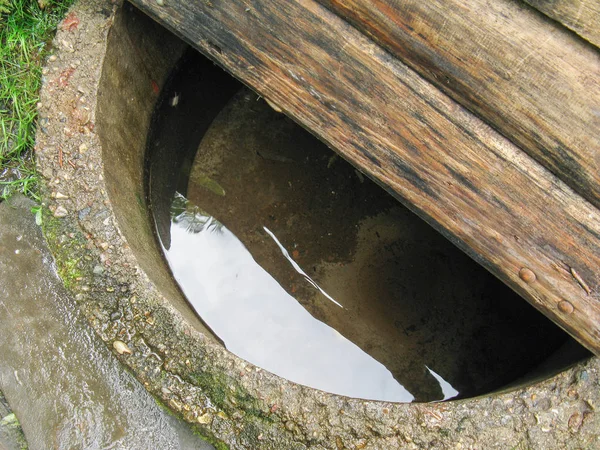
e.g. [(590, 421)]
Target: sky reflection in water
[(261, 323)]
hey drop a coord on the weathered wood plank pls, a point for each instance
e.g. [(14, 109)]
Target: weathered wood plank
[(492, 200), (529, 78), (581, 16)]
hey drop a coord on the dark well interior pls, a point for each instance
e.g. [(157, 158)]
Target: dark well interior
[(149, 147)]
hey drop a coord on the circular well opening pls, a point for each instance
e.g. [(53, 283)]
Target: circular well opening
[(303, 266)]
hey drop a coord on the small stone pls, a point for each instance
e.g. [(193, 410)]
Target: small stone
[(84, 212), (104, 246), (98, 270), (575, 421), (175, 404), (204, 419), (160, 2), (543, 404), (121, 347), (67, 46), (52, 58), (572, 393), (61, 211), (60, 196), (83, 148), (565, 306), (527, 275)]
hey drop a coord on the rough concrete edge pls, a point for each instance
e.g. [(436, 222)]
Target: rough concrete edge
[(228, 399)]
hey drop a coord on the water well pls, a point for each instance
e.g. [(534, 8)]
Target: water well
[(176, 180)]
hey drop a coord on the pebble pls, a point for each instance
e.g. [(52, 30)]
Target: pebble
[(575, 421), (175, 404), (52, 58), (121, 347), (84, 212), (61, 211), (67, 46), (98, 270), (204, 418)]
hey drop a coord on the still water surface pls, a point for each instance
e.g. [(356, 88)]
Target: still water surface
[(306, 268), (260, 322)]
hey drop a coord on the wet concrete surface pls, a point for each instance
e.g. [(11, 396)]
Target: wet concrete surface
[(62, 383)]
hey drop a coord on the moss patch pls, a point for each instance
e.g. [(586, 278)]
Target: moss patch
[(68, 247)]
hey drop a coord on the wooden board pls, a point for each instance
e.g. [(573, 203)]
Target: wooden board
[(581, 16), (530, 78), (487, 196)]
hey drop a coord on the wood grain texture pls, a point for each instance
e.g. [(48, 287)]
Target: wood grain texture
[(581, 16), (531, 79), (487, 196)]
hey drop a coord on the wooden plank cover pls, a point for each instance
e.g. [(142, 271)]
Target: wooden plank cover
[(531, 79), (487, 196), (581, 16)]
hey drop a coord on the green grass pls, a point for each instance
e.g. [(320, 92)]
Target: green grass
[(25, 33)]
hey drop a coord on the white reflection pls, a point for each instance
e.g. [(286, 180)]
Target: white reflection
[(260, 322), (297, 268), (447, 390)]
